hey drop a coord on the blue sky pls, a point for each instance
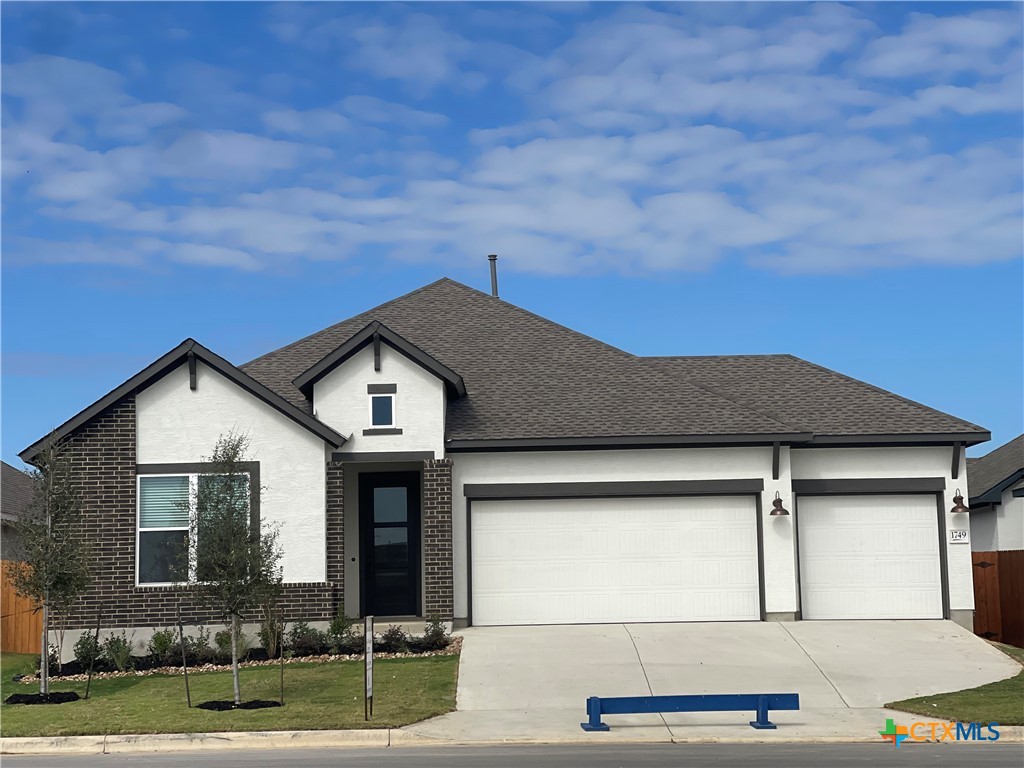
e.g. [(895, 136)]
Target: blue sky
[(842, 182)]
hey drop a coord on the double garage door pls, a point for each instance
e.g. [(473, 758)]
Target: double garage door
[(578, 561)]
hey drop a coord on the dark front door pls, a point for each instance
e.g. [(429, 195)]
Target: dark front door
[(389, 523)]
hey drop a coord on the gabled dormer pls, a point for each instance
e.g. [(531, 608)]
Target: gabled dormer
[(390, 393)]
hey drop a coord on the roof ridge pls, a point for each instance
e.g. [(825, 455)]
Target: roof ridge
[(714, 357), (884, 391), (380, 306)]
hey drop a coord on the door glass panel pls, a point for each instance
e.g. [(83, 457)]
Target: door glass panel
[(390, 505), (391, 548)]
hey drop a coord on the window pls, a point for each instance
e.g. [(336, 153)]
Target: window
[(168, 511), (382, 410)]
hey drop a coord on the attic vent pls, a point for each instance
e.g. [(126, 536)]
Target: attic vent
[(493, 258)]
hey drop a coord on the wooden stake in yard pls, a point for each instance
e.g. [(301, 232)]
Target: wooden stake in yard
[(280, 651), (184, 659), (96, 648)]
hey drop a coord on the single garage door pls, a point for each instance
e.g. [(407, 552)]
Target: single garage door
[(575, 561), (869, 557)]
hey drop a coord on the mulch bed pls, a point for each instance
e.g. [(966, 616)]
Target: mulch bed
[(144, 666), (224, 706), (57, 697)]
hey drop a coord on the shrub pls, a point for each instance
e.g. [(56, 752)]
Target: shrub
[(222, 641), (117, 649), (435, 636), (164, 646), (393, 640), (87, 650), (305, 640), (340, 634), (271, 632), (198, 647)]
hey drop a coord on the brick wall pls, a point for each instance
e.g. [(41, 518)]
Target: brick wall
[(103, 455), (437, 538), (335, 507)]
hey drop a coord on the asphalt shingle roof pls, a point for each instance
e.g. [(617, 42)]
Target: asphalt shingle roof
[(811, 397), (528, 377), (988, 471), (15, 491)]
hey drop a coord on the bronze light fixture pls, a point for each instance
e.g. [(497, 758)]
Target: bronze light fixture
[(958, 504), (778, 509)]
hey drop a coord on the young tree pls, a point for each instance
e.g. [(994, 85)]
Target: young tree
[(235, 565), (54, 560)]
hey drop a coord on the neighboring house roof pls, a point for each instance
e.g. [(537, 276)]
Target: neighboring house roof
[(996, 471), (188, 350), (530, 380), (15, 492)]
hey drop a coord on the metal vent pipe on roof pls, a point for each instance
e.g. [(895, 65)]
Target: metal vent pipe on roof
[(493, 258)]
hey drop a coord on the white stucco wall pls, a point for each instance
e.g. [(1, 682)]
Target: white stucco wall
[(178, 425), (983, 530), (835, 463), (340, 400), (662, 464), (1010, 520)]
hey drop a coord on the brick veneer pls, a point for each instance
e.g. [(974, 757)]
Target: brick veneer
[(335, 507), (438, 589), (103, 455)]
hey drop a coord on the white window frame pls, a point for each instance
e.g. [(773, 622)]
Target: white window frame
[(394, 413), (193, 499)]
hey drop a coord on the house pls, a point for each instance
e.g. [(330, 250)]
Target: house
[(448, 453), (15, 495), (997, 498)]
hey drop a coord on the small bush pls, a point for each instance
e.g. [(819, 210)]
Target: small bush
[(117, 649), (87, 650), (198, 647), (271, 634), (340, 633), (304, 640), (222, 641), (435, 636), (393, 640), (164, 646)]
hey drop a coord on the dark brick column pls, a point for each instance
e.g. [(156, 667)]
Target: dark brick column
[(102, 454), (336, 530), (437, 538)]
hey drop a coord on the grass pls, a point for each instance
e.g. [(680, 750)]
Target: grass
[(317, 697), (1001, 702)]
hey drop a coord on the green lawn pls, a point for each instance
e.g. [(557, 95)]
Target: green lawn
[(317, 696), (1001, 702)]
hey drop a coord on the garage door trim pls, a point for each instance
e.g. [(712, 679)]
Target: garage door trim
[(875, 487), (533, 491)]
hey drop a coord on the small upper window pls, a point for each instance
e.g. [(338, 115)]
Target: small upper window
[(382, 410)]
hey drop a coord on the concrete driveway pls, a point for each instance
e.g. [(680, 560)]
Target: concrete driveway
[(530, 683)]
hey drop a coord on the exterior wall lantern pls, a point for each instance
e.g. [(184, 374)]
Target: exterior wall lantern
[(958, 504), (778, 510)]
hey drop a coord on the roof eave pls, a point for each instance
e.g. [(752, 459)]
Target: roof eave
[(994, 495), (162, 367), (453, 382), (622, 441), (908, 438)]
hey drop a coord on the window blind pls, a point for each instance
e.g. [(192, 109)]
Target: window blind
[(163, 502)]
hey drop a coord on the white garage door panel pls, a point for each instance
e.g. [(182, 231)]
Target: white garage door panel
[(610, 560), (869, 557)]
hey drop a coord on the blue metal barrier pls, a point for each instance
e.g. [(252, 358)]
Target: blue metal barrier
[(719, 702)]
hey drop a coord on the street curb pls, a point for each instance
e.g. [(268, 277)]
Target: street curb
[(379, 737)]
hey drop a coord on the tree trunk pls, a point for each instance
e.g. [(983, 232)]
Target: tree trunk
[(44, 656), (234, 658)]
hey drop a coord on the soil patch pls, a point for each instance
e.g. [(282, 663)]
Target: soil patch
[(224, 706), (57, 697)]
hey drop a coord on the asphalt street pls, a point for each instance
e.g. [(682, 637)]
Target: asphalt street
[(597, 756)]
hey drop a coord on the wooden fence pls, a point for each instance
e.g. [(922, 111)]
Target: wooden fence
[(20, 626), (999, 596)]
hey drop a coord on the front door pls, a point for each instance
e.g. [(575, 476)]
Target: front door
[(389, 522)]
